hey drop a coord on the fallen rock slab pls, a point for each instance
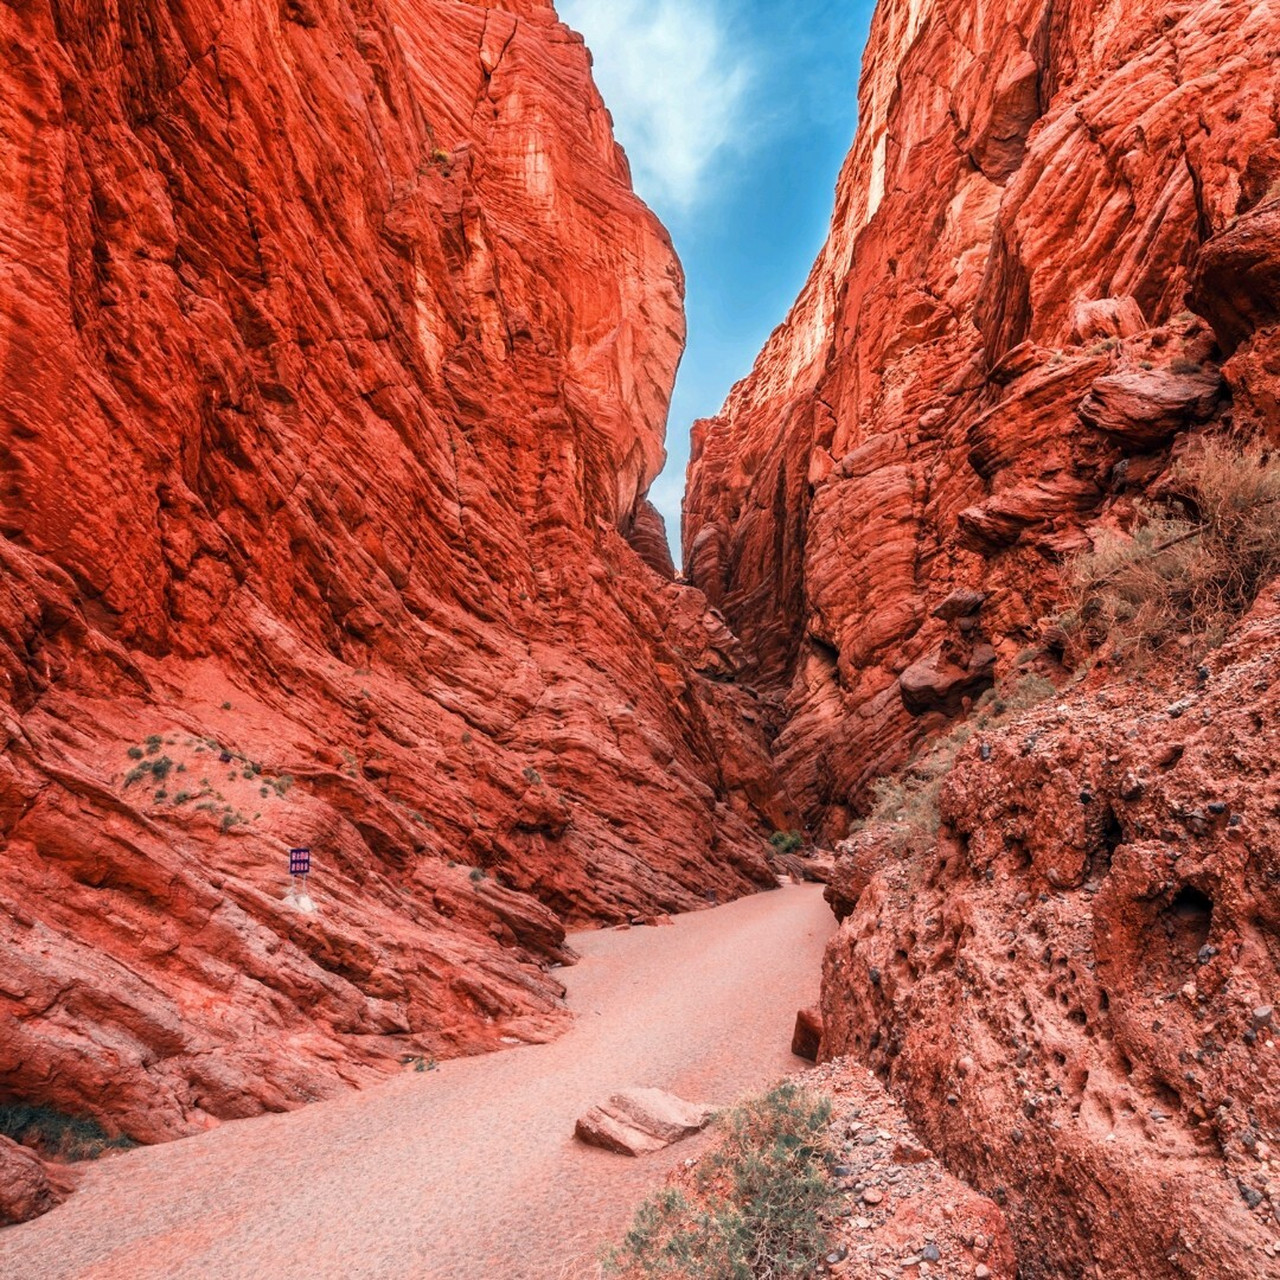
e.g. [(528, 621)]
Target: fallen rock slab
[(806, 1040), (638, 1121)]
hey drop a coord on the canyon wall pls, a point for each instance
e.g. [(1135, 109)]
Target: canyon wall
[(335, 353), (1073, 989), (1054, 260), (994, 352)]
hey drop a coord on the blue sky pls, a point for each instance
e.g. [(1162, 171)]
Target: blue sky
[(736, 116)]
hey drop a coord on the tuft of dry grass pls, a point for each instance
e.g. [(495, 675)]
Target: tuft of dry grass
[(757, 1202), (1192, 566), (906, 804)]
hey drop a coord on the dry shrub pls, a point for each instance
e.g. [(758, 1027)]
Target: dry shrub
[(1192, 566), (56, 1135), (757, 1203)]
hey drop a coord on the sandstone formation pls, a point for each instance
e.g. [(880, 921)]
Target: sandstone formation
[(1073, 991), (636, 1122), (993, 354), (335, 353), (1054, 262)]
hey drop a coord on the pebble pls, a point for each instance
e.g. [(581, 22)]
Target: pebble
[(982, 1272), (872, 1195), (869, 1139), (931, 1253)]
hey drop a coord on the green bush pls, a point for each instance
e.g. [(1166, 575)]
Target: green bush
[(1191, 567), (787, 841), (158, 769), (757, 1202)]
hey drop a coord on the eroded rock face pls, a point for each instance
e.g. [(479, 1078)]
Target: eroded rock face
[(335, 353), (1098, 921), (992, 355)]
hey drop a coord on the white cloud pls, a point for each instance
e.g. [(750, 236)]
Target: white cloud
[(674, 85)]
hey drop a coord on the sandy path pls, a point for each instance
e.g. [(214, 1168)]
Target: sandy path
[(470, 1170)]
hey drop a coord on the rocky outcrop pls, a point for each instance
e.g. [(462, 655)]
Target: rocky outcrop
[(992, 355), (335, 353), (901, 1211), (1098, 921)]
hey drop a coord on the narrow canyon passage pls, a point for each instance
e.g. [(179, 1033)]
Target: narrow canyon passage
[(470, 1170)]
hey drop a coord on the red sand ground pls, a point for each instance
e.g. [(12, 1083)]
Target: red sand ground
[(470, 1170)]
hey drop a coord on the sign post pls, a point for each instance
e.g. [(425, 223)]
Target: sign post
[(300, 866)]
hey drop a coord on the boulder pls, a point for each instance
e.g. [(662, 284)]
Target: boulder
[(961, 603), (1145, 408), (806, 1040), (638, 1121), (939, 683), (28, 1187)]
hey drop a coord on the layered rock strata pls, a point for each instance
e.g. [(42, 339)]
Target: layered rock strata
[(335, 353), (1053, 263), (996, 350)]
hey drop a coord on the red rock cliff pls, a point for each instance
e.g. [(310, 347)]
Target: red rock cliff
[(335, 352), (992, 353), (1072, 990), (1055, 258)]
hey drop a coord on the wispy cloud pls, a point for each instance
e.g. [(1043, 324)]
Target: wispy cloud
[(675, 85)]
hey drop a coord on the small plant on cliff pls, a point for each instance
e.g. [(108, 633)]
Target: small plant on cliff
[(787, 841), (906, 804), (753, 1210), (158, 769), (1192, 566)]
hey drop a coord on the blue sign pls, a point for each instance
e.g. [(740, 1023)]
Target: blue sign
[(299, 862)]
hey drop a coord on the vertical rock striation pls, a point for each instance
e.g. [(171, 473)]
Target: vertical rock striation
[(335, 354), (993, 352)]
